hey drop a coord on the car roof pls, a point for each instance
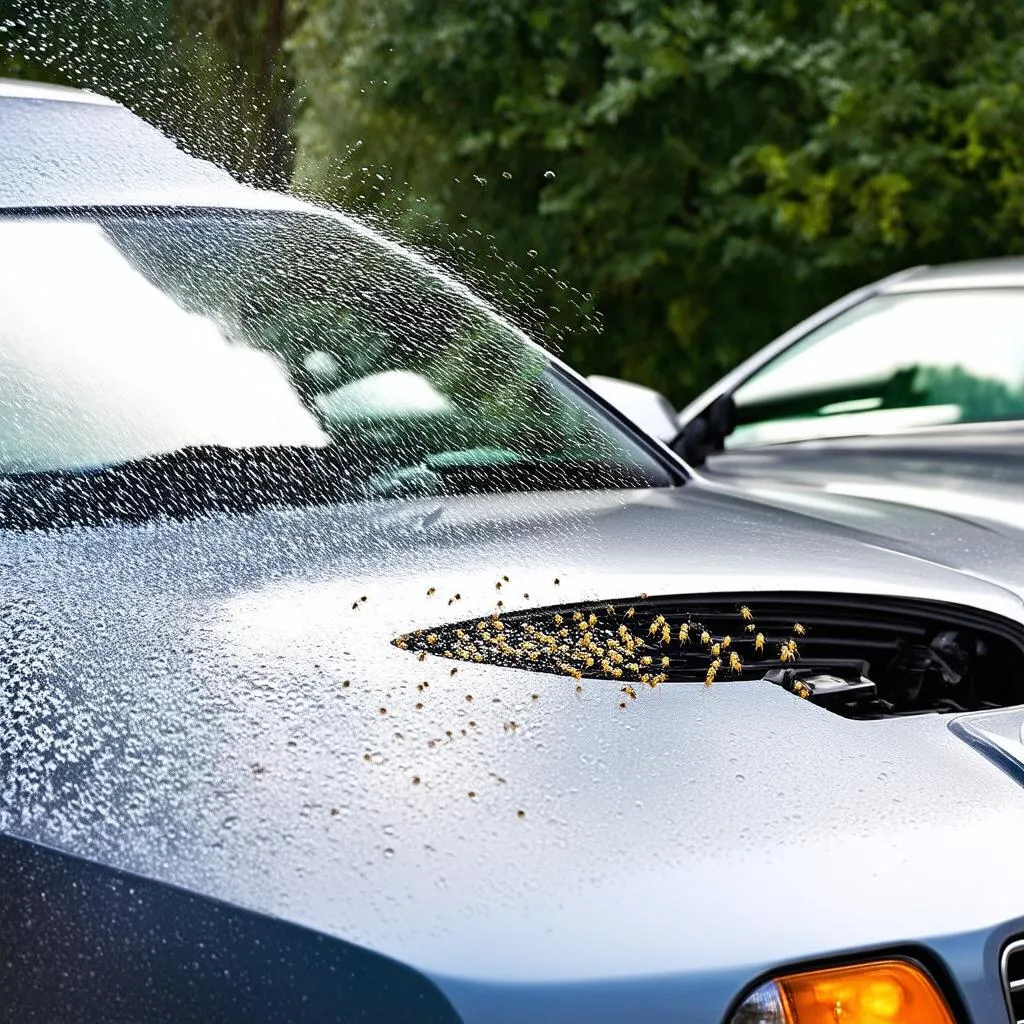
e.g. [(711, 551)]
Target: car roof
[(62, 147), (17, 89), (1007, 272)]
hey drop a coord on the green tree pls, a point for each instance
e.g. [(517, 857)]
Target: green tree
[(709, 169)]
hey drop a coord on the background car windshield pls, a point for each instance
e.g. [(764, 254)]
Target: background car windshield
[(891, 363), (131, 337)]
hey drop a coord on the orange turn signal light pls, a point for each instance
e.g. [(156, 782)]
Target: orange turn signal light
[(883, 992)]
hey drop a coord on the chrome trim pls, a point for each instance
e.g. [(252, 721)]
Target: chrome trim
[(1017, 985)]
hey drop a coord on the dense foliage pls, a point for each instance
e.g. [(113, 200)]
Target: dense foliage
[(703, 171)]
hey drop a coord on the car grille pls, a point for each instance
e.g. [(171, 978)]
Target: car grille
[(839, 629), (861, 656), (1012, 969)]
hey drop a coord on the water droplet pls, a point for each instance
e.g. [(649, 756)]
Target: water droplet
[(388, 852)]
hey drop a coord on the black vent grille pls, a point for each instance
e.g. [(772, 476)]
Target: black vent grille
[(914, 655), (1012, 969), (840, 630)]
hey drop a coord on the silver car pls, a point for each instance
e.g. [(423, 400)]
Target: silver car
[(360, 663)]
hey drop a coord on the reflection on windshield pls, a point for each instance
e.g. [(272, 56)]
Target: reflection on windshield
[(127, 340), (98, 365), (891, 363)]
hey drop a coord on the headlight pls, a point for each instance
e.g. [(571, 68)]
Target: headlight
[(884, 992)]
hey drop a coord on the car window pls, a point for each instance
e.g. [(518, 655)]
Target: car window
[(891, 363), (330, 356)]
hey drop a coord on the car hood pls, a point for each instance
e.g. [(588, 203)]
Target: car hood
[(216, 704), (945, 494)]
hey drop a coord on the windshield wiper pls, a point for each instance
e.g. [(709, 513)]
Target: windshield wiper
[(179, 485), (198, 480), (498, 471)]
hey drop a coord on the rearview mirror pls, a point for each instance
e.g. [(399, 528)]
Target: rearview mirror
[(647, 408)]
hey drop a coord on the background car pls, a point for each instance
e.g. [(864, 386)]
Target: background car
[(360, 663), (899, 410)]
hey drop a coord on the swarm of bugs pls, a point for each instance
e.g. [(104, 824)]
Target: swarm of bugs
[(628, 645)]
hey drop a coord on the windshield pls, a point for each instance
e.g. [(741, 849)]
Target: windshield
[(891, 363), (184, 360)]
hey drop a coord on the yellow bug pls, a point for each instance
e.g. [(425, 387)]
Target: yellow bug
[(716, 650), (629, 691), (798, 629), (432, 638), (712, 672), (558, 620), (705, 637), (735, 662), (646, 660), (759, 643), (801, 689), (666, 634), (665, 662), (684, 633), (788, 651), (746, 614), (630, 612), (726, 640)]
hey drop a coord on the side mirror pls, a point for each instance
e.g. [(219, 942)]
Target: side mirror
[(707, 433), (647, 408)]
